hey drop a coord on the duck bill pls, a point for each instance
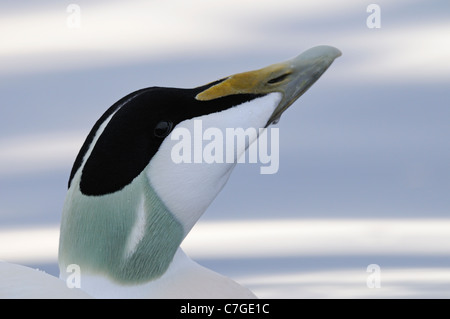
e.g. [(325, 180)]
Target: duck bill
[(291, 78)]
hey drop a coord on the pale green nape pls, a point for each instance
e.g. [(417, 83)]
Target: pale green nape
[(95, 232)]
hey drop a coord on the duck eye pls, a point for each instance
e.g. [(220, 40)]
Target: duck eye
[(163, 128), (278, 79)]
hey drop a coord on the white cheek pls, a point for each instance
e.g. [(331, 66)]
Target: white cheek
[(188, 188)]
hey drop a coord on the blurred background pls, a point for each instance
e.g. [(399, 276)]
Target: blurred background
[(364, 174)]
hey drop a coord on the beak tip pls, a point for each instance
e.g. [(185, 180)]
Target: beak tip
[(322, 51)]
